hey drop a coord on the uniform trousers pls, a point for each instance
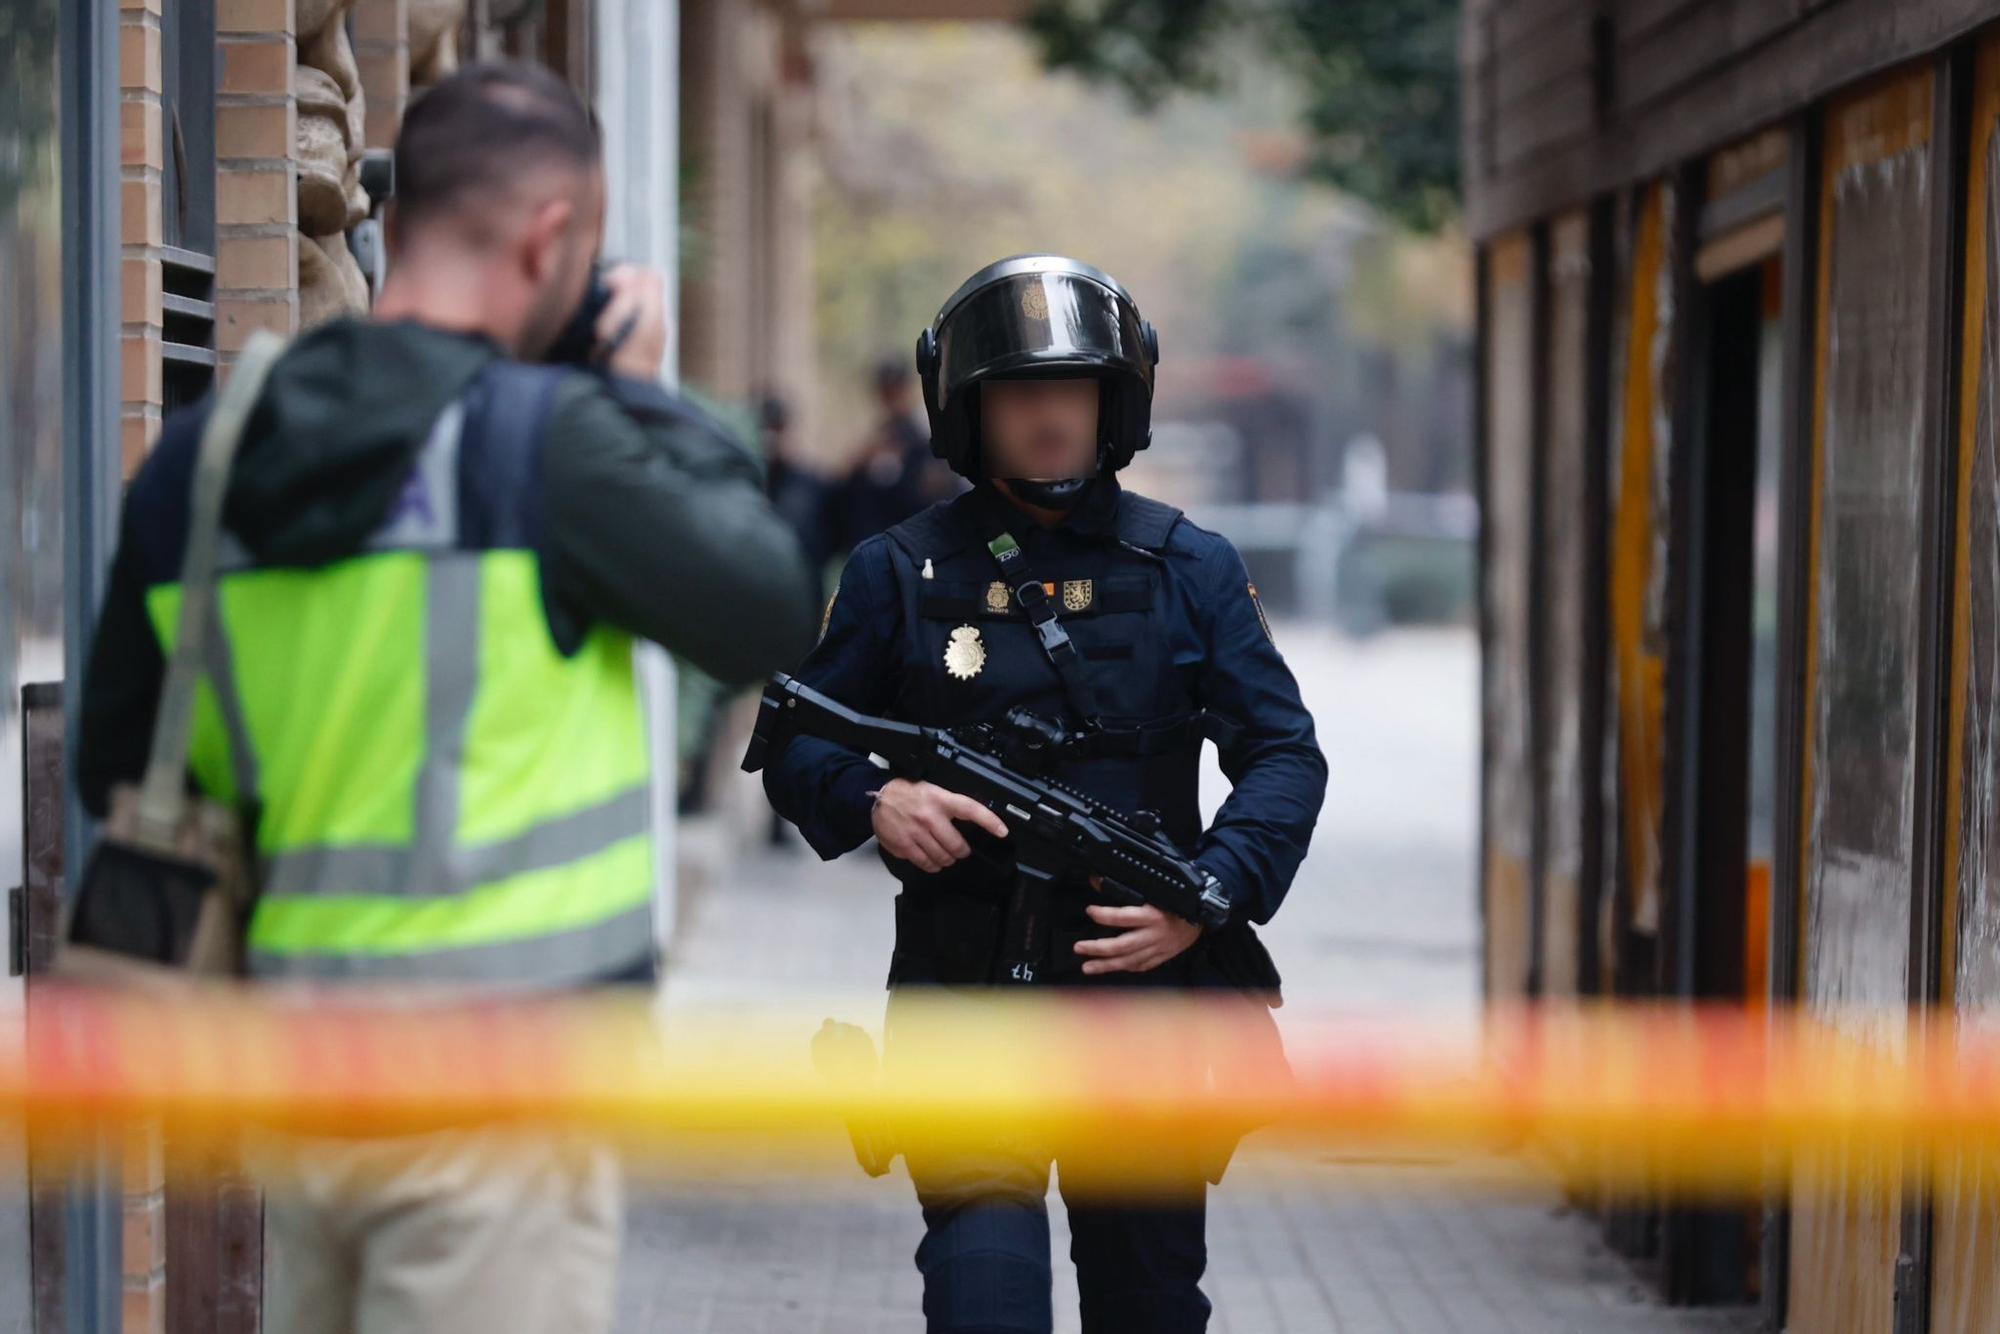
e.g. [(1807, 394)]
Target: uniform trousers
[(985, 1256)]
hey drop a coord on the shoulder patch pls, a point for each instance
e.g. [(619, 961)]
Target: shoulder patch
[(1262, 619)]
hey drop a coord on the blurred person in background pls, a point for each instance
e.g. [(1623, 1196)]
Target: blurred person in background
[(895, 474), (438, 559), (805, 497), (802, 494), (1051, 588)]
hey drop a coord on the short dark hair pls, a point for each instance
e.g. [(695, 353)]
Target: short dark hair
[(475, 130)]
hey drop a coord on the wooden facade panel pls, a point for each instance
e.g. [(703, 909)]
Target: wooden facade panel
[(1507, 524), (1862, 665), (1747, 163), (1561, 50), (1478, 163), (1702, 39), (1562, 113), (1476, 103), (1965, 1294), (1782, 55), (877, 11), (1666, 57), (1636, 18), (1519, 23), (1641, 502), (1475, 35), (1862, 255), (1562, 591)]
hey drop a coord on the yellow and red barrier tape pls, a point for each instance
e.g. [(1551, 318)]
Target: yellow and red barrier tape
[(1692, 1100)]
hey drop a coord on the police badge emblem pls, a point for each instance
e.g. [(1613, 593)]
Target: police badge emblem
[(1077, 594), (996, 597), (1035, 302), (965, 655)]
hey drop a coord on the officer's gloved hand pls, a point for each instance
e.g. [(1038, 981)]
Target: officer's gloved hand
[(914, 822)]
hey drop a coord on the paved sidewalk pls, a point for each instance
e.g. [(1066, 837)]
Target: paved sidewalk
[(1381, 919)]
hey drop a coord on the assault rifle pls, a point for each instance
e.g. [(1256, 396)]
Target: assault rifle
[(1053, 830)]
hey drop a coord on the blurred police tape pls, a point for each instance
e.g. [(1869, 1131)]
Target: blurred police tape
[(1130, 1093)]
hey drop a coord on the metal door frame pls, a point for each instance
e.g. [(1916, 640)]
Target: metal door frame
[(87, 43)]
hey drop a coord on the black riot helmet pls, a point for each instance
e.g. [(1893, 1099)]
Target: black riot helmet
[(1038, 317)]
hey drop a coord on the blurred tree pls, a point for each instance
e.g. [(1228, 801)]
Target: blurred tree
[(943, 147), (1379, 78)]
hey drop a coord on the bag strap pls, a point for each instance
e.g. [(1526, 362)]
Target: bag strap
[(163, 795), (1032, 597)]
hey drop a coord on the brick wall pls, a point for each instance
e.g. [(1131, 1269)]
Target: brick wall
[(256, 203), (145, 1239), (256, 287)]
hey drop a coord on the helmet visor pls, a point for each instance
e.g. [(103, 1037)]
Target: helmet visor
[(1037, 324)]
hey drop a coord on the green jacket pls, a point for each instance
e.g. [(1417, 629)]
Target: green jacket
[(653, 521)]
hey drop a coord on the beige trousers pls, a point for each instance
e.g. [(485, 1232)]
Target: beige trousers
[(467, 1232)]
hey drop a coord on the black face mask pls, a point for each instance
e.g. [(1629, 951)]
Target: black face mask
[(1061, 496)]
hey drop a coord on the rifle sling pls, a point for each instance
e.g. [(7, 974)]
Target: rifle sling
[(1097, 738), (1034, 601)]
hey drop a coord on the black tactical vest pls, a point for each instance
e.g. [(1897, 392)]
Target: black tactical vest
[(970, 654)]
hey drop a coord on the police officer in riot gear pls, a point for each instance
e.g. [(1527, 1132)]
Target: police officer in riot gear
[(1051, 588)]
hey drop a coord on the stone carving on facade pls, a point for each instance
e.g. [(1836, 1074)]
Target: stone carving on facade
[(331, 112), (434, 28)]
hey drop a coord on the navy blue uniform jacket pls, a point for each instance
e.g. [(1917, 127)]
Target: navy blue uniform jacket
[(1168, 623)]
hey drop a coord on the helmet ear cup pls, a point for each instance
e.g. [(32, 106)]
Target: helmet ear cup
[(1150, 337), (927, 376), (1115, 412)]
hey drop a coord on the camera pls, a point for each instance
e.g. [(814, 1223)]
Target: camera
[(577, 344)]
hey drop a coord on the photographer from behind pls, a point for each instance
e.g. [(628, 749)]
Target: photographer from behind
[(438, 552)]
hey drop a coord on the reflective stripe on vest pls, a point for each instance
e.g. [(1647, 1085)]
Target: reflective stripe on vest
[(443, 796)]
